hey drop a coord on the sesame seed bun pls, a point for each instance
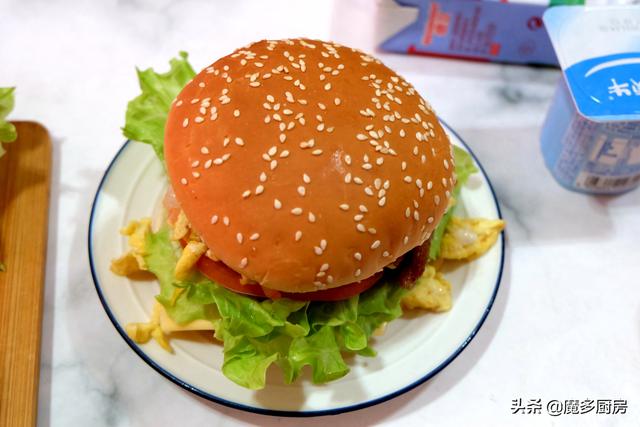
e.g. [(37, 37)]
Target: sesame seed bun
[(307, 165)]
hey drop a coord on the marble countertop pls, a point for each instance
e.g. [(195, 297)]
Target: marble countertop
[(565, 325)]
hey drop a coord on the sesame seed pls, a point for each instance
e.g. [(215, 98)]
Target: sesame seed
[(406, 240), (316, 152), (347, 159), (239, 141), (183, 181), (375, 244), (429, 185), (306, 178), (324, 267), (298, 235), (358, 217), (225, 142), (217, 161), (259, 190), (301, 190), (277, 203), (282, 137), (407, 212), (418, 183), (311, 217), (436, 199), (379, 161), (362, 137), (243, 262), (239, 238), (273, 164), (357, 180), (296, 211), (416, 215), (382, 201), (254, 236), (214, 219), (367, 166), (358, 256), (327, 86), (225, 220), (368, 191), (347, 178), (430, 220), (246, 194), (317, 250), (272, 151), (361, 228), (323, 244), (377, 183), (372, 230), (254, 84)]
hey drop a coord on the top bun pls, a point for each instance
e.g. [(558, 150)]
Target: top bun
[(307, 165)]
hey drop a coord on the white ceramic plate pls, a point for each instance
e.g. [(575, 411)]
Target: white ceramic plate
[(410, 352)]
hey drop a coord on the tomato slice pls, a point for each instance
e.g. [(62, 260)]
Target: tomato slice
[(223, 275)]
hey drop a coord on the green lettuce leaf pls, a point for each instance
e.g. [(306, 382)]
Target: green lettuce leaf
[(7, 130), (147, 113), (257, 334), (464, 169)]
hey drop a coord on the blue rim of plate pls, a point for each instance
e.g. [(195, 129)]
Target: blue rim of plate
[(185, 385)]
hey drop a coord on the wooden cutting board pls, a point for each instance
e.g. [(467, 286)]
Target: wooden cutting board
[(25, 172)]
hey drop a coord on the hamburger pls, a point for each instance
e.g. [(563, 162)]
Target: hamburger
[(306, 180)]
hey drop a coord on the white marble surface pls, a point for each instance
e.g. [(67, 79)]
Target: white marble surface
[(566, 323)]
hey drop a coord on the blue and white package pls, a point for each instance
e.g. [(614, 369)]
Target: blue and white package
[(488, 30), (591, 136)]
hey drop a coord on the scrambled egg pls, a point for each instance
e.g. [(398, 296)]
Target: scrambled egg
[(189, 257), (466, 238), (181, 227), (133, 262), (160, 325), (431, 292), (143, 332)]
